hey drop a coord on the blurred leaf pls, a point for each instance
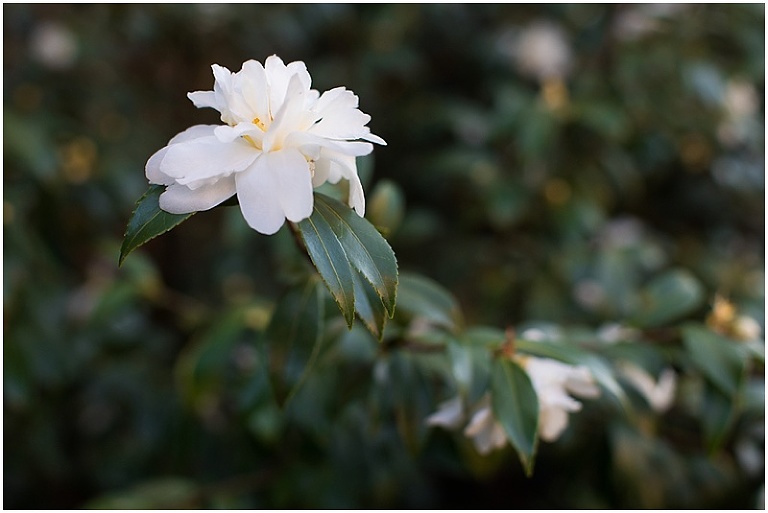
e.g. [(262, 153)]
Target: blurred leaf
[(202, 366), (669, 297), (721, 360), (27, 140), (717, 416), (163, 493), (516, 407), (420, 296), (148, 221), (484, 336), (294, 338), (366, 250)]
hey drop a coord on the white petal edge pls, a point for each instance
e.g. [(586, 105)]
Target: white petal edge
[(180, 199)]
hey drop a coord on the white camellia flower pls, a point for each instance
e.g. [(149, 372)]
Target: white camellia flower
[(553, 381), (281, 139), (485, 431)]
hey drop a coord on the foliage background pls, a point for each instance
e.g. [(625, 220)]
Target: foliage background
[(138, 384)]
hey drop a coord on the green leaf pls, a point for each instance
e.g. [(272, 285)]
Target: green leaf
[(331, 262), (368, 306), (717, 416), (420, 296), (201, 369), (294, 338), (668, 297), (148, 221), (367, 251), (161, 493), (722, 361), (516, 406)]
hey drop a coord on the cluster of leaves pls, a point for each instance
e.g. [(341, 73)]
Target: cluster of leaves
[(216, 368)]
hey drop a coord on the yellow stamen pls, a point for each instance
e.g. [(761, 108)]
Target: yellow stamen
[(260, 124)]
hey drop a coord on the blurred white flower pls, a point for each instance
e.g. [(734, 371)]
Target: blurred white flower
[(449, 414), (542, 52), (613, 333), (484, 430), (659, 394), (53, 45), (740, 99), (638, 21), (280, 140), (553, 381), (740, 106), (746, 328)]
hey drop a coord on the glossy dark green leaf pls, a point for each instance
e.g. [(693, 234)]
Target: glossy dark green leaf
[(148, 221), (367, 251), (721, 360), (669, 297), (420, 296), (516, 407), (368, 306), (331, 262), (294, 338)]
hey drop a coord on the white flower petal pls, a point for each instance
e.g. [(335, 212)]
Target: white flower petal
[(373, 138), (552, 380), (255, 89), (449, 414), (278, 77), (288, 118), (206, 157), (291, 172), (258, 193), (227, 134), (659, 395), (152, 168), (356, 195), (193, 132), (180, 199), (498, 436), (486, 433), (478, 422), (552, 423), (203, 99)]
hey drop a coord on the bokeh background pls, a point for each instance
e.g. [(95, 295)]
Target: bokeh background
[(542, 163)]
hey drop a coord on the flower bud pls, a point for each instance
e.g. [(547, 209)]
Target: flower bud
[(386, 207)]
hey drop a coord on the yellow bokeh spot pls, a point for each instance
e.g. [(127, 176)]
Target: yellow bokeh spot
[(554, 93), (77, 159), (557, 191), (9, 213)]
